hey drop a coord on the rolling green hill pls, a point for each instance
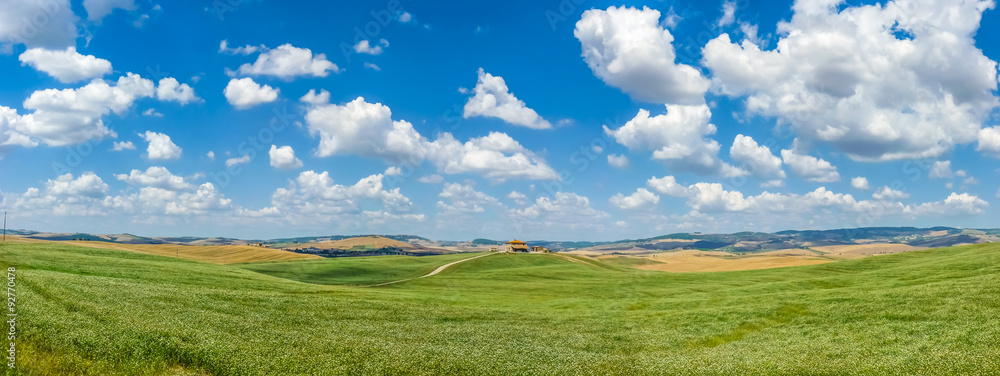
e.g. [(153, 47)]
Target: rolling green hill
[(354, 270), (107, 312)]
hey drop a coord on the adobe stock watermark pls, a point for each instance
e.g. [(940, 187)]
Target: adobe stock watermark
[(11, 316), (222, 7), (31, 26), (380, 19), (561, 12)]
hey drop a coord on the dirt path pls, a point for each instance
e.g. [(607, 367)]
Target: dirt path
[(436, 271)]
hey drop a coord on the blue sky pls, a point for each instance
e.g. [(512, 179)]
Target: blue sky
[(587, 120)]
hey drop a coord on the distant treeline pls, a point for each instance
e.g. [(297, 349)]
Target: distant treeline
[(386, 251)]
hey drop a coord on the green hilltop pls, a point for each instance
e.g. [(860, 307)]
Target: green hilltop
[(89, 311)]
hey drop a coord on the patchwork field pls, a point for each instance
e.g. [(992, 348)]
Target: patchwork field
[(92, 311), (852, 251), (370, 241), (691, 261)]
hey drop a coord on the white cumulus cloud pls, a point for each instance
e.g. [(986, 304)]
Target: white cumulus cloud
[(679, 138), (879, 82), (288, 62), (989, 141), (171, 90), (65, 65), (642, 198), (123, 145), (860, 183), (367, 129), (69, 116), (756, 159), (59, 29), (157, 177), (628, 49), (283, 158), (160, 146), (809, 167), (492, 98), (244, 93)]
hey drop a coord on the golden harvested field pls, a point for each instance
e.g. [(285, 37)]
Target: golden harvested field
[(853, 251), (374, 241), (691, 261), (219, 254)]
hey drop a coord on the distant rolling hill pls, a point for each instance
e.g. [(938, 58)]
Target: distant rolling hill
[(360, 241)]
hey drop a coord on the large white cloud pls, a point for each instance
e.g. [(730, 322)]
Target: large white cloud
[(160, 146), (288, 62), (954, 205), (157, 177), (492, 98), (171, 90), (62, 196), (9, 135), (87, 185), (713, 197), (756, 159), (667, 185), (283, 158), (359, 127), (679, 138), (38, 23), (65, 65), (244, 93), (903, 80), (989, 141), (563, 210), (161, 195), (809, 167), (628, 49), (205, 199), (642, 198), (464, 199), (367, 129), (314, 196), (68, 116), (495, 156)]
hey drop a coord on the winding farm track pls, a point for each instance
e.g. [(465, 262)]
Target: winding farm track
[(436, 271)]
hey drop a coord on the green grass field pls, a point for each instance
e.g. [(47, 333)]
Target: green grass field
[(355, 270), (84, 311)]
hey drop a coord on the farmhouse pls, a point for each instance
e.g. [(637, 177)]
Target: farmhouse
[(539, 249), (515, 246)]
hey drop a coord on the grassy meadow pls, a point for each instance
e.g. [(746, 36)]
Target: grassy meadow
[(90, 311), (362, 271)]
